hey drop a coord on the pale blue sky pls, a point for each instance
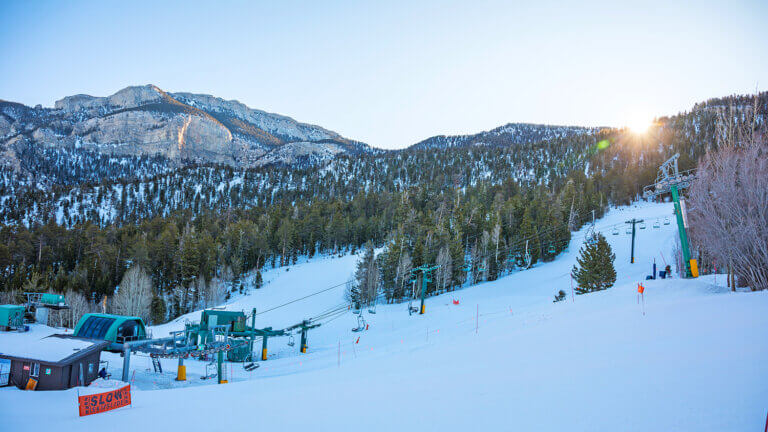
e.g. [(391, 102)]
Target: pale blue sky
[(391, 73)]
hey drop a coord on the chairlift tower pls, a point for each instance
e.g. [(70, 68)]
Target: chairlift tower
[(425, 277), (671, 180)]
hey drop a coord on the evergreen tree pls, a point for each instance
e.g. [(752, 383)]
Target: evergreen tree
[(595, 271), (367, 279), (157, 310)]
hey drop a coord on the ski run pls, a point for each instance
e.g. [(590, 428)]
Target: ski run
[(689, 356)]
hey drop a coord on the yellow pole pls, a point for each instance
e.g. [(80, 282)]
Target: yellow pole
[(181, 373)]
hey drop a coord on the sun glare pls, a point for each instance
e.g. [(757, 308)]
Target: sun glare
[(639, 126)]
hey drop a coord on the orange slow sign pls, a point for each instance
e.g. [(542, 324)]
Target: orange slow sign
[(100, 402)]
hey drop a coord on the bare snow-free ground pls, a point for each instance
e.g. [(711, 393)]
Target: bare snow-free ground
[(504, 358)]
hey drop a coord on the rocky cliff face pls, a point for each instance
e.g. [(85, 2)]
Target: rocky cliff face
[(183, 127)]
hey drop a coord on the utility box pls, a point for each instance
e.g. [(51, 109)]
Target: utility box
[(11, 317)]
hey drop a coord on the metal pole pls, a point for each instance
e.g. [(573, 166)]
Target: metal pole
[(219, 366), (253, 331), (633, 222), (264, 347), (477, 318), (181, 370), (632, 259), (681, 230), (423, 292), (126, 362)]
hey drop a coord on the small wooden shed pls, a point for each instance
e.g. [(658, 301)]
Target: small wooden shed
[(56, 362)]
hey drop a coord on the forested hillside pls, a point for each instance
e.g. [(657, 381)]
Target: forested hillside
[(77, 220)]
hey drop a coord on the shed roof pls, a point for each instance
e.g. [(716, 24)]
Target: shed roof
[(52, 349)]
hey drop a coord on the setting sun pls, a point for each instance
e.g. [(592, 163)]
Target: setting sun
[(639, 125)]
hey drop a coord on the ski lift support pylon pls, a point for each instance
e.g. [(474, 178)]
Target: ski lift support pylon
[(670, 180), (425, 277)]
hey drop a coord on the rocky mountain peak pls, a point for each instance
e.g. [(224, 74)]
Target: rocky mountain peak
[(146, 120)]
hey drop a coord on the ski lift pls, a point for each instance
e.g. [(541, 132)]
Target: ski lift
[(552, 249), (629, 230), (373, 309), (657, 224), (642, 225), (411, 308), (615, 231), (666, 221), (360, 324), (291, 342), (211, 370), (248, 364)]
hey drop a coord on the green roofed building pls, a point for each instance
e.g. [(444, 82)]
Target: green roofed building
[(113, 328)]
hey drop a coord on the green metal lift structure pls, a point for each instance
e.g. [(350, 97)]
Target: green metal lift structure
[(218, 333), (670, 180), (426, 272), (303, 327)]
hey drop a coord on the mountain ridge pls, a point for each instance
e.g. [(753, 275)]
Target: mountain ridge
[(508, 134), (146, 120)]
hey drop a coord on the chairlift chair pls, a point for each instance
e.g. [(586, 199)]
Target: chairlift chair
[(615, 231), (629, 231), (666, 221), (248, 364), (657, 224), (411, 308), (642, 225), (360, 324), (291, 342), (211, 370)]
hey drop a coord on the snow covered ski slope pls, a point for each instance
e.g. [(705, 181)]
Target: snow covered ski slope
[(504, 358)]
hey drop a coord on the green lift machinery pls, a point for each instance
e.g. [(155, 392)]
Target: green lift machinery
[(670, 180), (220, 333)]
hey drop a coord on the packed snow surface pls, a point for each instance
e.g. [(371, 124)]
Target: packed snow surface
[(505, 358)]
